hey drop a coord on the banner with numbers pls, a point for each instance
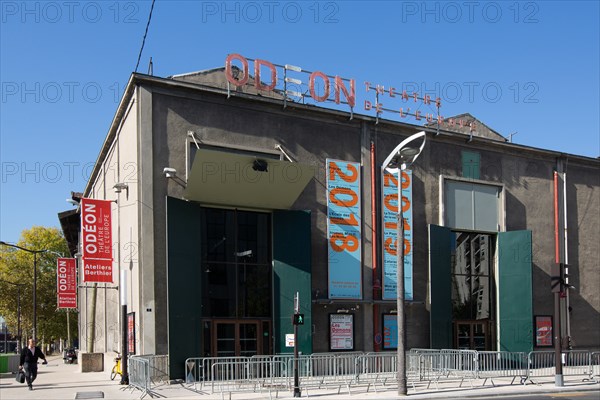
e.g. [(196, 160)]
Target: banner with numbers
[(390, 233), (344, 229)]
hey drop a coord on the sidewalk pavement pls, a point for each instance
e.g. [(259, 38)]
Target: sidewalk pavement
[(59, 381)]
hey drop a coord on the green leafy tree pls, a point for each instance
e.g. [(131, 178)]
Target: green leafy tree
[(16, 267)]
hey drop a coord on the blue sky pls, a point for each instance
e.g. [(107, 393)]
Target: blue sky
[(529, 67)]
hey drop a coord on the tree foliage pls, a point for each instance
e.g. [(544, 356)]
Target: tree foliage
[(16, 267)]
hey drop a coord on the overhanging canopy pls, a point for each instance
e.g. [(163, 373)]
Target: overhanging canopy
[(231, 179)]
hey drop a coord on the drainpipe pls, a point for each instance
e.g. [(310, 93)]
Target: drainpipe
[(376, 281), (92, 334)]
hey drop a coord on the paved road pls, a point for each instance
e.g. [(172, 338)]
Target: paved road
[(58, 381)]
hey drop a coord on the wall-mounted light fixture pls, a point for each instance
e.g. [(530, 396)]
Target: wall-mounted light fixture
[(171, 173), (120, 186)]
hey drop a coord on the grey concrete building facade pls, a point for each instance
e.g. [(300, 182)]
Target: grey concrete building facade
[(214, 259)]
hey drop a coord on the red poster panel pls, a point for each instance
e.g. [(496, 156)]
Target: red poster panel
[(96, 229), (97, 270), (66, 283), (543, 331), (131, 333)]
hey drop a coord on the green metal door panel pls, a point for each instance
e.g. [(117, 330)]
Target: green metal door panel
[(291, 274), (440, 289), (184, 224), (470, 164), (515, 291)]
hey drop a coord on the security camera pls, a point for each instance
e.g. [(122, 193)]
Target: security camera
[(72, 202), (170, 172)]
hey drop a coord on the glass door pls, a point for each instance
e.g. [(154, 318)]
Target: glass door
[(240, 338), (225, 340), (248, 334), (471, 335)]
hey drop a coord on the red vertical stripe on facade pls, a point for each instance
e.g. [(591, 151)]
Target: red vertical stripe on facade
[(556, 235)]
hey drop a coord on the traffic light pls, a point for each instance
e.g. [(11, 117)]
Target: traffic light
[(557, 277), (298, 319)]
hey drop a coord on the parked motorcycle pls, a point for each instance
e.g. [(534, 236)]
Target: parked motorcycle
[(70, 356)]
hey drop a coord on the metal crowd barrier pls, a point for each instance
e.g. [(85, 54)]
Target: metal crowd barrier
[(198, 370), (139, 374), (238, 376), (350, 370), (595, 367), (575, 362), (379, 368), (146, 371), (505, 364), (332, 369), (447, 365)]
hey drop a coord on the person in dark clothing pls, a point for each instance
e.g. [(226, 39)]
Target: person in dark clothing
[(29, 360)]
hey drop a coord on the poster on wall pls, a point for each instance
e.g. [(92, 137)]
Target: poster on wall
[(390, 233), (341, 331), (131, 333), (344, 229), (543, 331), (66, 283), (390, 331), (96, 240)]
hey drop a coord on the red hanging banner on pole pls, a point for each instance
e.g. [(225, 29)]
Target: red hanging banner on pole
[(96, 233), (66, 283)]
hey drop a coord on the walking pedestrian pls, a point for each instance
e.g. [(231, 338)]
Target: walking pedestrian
[(29, 361)]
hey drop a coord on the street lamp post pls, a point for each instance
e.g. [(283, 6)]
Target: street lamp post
[(124, 341), (35, 253), (397, 161)]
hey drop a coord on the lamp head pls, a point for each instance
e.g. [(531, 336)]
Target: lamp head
[(118, 187), (170, 172), (405, 153), (404, 157)]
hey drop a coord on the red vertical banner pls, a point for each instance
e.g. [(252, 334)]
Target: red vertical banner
[(66, 283), (96, 233)]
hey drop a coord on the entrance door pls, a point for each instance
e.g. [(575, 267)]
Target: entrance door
[(240, 338), (471, 335)]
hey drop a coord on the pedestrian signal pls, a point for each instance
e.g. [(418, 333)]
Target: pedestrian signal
[(298, 319)]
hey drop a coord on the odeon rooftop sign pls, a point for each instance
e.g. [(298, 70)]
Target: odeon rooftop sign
[(297, 84)]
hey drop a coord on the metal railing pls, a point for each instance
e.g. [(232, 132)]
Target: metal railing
[(377, 370), (595, 366), (147, 371), (505, 364), (139, 374), (541, 364)]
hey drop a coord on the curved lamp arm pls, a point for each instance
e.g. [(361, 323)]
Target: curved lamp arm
[(396, 152)]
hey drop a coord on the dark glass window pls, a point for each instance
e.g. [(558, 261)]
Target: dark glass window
[(472, 289), (236, 263)]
